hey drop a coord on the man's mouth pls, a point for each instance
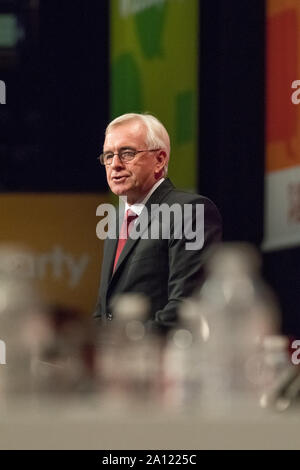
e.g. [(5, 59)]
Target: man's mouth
[(119, 179)]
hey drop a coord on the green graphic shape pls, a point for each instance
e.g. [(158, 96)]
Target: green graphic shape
[(8, 30), (154, 53), (185, 117), (126, 88), (150, 27)]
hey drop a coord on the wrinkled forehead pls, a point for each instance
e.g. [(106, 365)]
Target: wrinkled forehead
[(131, 133)]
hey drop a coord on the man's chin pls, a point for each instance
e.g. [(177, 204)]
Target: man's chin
[(119, 189)]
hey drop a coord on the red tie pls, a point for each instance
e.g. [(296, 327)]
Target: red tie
[(127, 224)]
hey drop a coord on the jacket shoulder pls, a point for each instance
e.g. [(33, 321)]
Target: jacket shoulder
[(186, 197), (177, 196)]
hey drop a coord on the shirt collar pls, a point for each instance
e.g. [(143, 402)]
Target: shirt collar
[(137, 207)]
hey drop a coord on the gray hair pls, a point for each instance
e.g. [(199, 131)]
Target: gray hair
[(157, 135)]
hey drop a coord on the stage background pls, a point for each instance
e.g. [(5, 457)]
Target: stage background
[(282, 179), (233, 96), (206, 59), (54, 60)]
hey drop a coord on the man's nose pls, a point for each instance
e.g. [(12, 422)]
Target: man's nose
[(116, 162)]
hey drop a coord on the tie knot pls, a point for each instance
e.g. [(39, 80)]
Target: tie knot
[(129, 219), (130, 215)]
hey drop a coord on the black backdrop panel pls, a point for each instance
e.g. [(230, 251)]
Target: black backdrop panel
[(57, 96)]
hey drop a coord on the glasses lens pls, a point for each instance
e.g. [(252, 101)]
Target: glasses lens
[(106, 158), (124, 156), (127, 155)]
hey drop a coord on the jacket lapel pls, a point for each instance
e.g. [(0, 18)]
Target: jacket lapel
[(110, 248), (155, 198)]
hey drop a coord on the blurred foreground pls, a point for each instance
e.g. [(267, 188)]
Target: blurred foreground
[(226, 362)]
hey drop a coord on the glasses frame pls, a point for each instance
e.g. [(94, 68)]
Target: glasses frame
[(102, 155)]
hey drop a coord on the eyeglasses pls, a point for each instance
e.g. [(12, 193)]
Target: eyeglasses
[(124, 155)]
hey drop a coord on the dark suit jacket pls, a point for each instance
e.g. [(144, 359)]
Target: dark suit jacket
[(162, 269)]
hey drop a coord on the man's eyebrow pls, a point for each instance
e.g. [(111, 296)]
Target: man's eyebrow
[(121, 149), (126, 148)]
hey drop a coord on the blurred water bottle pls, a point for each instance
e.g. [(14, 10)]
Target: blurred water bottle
[(278, 372), (21, 324), (240, 311), (181, 359), (127, 362)]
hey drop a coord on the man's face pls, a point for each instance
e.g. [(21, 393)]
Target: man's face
[(133, 179)]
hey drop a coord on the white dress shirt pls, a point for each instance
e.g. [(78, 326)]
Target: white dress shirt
[(137, 207)]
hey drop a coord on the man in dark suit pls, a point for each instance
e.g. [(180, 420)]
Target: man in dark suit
[(166, 268)]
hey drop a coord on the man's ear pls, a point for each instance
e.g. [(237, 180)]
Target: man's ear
[(161, 162), (161, 159)]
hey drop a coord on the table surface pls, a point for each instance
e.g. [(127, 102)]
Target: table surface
[(86, 424)]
